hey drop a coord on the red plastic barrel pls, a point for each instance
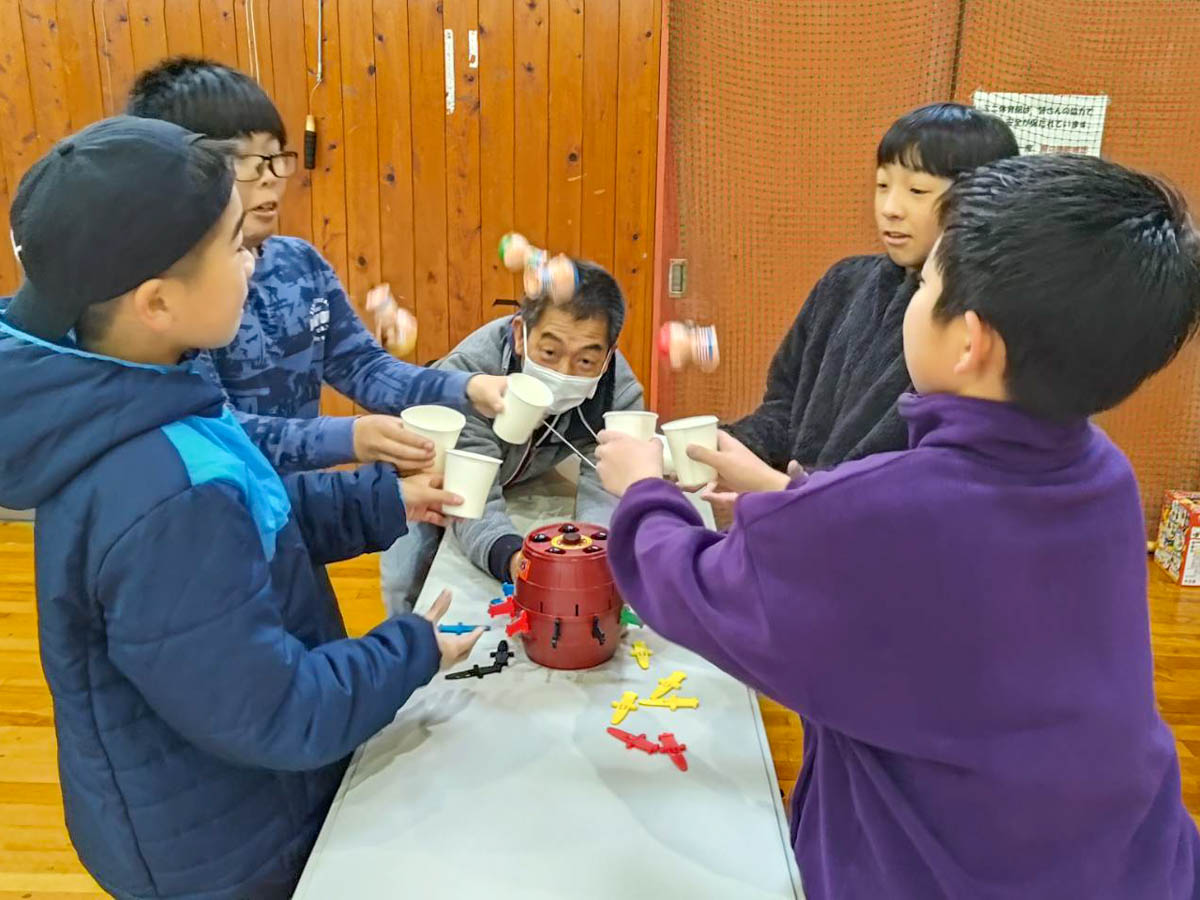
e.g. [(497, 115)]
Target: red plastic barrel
[(565, 585)]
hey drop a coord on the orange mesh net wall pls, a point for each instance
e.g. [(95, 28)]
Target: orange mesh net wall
[(774, 111)]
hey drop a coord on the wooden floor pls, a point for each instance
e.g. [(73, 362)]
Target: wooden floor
[(36, 857)]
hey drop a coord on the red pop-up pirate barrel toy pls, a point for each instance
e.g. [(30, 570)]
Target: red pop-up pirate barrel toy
[(566, 607)]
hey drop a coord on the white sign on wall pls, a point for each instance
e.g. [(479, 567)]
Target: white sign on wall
[(1050, 123)]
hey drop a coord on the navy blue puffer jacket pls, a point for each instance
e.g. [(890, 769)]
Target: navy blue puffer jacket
[(206, 696)]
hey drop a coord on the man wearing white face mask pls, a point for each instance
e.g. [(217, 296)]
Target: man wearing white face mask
[(571, 348)]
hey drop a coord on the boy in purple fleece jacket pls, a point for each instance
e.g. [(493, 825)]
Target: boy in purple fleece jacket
[(963, 625)]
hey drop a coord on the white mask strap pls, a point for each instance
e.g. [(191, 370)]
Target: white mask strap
[(587, 425), (570, 446)]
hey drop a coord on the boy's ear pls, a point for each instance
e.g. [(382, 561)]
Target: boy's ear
[(151, 305), (982, 346)]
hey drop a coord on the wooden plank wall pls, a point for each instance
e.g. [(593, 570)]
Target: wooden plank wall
[(553, 132)]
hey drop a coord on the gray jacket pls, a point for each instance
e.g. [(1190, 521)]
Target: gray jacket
[(491, 540)]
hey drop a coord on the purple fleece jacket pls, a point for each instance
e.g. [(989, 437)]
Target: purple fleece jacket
[(963, 628)]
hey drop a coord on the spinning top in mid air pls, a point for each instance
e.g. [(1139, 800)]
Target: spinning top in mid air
[(544, 275), (395, 326), (688, 344)]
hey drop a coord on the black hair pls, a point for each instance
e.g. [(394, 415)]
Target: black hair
[(208, 160), (1090, 272), (946, 139), (597, 295), (94, 323), (205, 97)]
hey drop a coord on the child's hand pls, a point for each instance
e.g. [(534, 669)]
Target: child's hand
[(424, 498), (722, 505), (514, 566), (622, 461), (454, 647), (385, 439), (738, 469), (486, 393)]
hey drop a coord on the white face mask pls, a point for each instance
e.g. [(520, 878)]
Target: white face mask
[(569, 390)]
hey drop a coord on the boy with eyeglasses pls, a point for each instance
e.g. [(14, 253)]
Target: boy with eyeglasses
[(298, 330)]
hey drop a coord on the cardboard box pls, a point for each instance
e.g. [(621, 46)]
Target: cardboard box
[(1178, 548)]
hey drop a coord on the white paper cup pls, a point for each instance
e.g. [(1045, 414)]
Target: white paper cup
[(525, 405), (470, 475), (440, 424), (681, 434), (635, 423), (668, 460)]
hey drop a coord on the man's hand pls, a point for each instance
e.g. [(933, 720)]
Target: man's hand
[(738, 469), (453, 647), (424, 498), (486, 393), (385, 439), (622, 461)]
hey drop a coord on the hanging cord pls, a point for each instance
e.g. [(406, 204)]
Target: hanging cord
[(252, 41), (320, 50), (310, 121)]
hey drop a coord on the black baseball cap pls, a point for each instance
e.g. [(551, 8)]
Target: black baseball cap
[(106, 209)]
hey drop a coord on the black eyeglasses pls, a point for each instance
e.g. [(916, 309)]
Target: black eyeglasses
[(249, 167)]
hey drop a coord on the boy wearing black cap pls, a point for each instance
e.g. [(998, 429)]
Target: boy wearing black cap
[(206, 696)]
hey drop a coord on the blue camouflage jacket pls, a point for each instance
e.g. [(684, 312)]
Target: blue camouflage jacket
[(299, 331)]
